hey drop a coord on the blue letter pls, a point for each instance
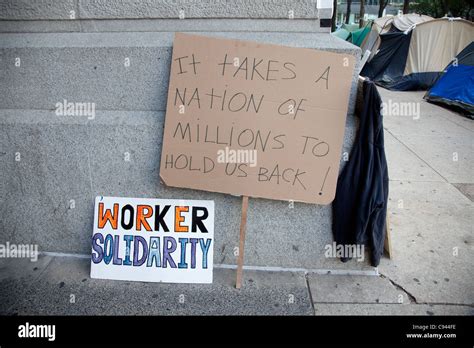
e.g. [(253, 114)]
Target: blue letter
[(108, 247), (97, 248), (205, 249), (117, 260), (128, 240), (136, 251), (182, 263), (154, 252), (167, 251), (193, 251)]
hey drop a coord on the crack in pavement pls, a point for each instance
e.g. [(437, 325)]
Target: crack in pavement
[(414, 153), (399, 287), (309, 293)]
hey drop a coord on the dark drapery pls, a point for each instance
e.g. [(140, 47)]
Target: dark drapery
[(360, 206)]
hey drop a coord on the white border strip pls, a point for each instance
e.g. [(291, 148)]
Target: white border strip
[(51, 253), (374, 272), (303, 270), (324, 4)]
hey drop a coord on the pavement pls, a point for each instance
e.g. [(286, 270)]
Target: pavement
[(431, 210)]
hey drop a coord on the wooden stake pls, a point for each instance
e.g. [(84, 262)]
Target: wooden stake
[(387, 245), (243, 227)]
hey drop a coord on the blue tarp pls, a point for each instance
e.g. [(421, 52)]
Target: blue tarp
[(455, 87), (449, 86)]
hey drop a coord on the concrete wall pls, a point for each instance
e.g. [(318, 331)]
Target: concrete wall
[(52, 167), (113, 9)]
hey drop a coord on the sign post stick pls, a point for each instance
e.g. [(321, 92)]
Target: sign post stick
[(387, 245), (243, 227)]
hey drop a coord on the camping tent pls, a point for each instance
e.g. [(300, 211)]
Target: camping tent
[(389, 24), (401, 22), (352, 33), (358, 36), (415, 58), (455, 88), (342, 34)]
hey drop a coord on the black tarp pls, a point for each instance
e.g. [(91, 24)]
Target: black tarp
[(466, 56), (360, 205), (388, 64), (412, 82)]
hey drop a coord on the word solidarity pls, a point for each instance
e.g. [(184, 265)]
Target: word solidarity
[(153, 240), (151, 253)]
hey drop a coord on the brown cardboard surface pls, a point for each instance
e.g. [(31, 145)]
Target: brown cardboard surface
[(288, 104)]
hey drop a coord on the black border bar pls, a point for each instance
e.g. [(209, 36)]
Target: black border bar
[(104, 330)]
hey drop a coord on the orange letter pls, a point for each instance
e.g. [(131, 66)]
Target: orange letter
[(141, 217), (108, 216), (178, 219)]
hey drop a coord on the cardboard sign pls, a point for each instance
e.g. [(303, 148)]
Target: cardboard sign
[(155, 240), (257, 120)]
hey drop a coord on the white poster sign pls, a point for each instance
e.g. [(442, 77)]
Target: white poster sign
[(155, 240)]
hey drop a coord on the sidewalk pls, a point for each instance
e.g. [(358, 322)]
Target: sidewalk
[(431, 213), (431, 167)]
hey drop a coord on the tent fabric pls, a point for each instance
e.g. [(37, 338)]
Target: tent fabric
[(360, 205), (383, 67), (401, 22), (451, 92), (355, 36), (466, 56), (342, 33), (370, 42), (455, 88), (389, 23), (414, 59), (382, 24), (358, 36), (435, 43), (412, 82), (405, 22)]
